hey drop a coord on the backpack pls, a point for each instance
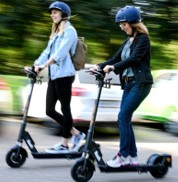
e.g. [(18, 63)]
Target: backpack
[(80, 56)]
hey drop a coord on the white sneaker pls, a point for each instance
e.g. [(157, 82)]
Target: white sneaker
[(134, 161), (57, 149), (119, 161), (76, 141)]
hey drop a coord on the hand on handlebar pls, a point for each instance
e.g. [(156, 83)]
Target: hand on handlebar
[(30, 71), (26, 68), (108, 68), (93, 69), (37, 69)]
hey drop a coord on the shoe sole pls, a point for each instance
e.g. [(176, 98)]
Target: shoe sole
[(122, 165), (134, 164)]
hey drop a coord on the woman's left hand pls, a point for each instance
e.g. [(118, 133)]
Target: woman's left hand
[(108, 68)]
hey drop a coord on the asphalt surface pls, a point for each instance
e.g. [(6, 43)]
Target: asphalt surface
[(149, 141)]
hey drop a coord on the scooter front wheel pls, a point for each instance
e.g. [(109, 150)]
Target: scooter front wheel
[(16, 157), (83, 169)]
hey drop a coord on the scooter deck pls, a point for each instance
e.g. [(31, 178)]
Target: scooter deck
[(68, 155), (139, 168)]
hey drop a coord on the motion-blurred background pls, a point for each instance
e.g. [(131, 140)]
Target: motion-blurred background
[(25, 28)]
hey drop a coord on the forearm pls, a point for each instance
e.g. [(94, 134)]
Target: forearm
[(49, 62)]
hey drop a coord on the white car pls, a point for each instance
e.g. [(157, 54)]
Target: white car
[(84, 94), (161, 105)]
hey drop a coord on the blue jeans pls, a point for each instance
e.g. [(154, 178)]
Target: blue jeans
[(134, 93)]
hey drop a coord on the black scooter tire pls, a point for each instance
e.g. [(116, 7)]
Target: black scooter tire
[(156, 159), (15, 161), (81, 174)]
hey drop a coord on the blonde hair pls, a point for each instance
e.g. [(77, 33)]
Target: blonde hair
[(140, 28), (58, 28)]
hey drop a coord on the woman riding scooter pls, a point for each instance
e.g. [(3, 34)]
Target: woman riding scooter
[(132, 63), (56, 57)]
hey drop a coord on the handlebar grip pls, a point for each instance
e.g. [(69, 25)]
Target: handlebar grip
[(33, 68), (40, 69), (30, 71), (110, 69)]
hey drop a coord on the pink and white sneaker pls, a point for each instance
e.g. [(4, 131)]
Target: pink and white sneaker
[(134, 161), (119, 161)]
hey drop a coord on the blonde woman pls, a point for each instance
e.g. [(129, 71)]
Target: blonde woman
[(132, 63), (56, 56)]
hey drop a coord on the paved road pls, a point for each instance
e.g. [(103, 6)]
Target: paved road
[(54, 170)]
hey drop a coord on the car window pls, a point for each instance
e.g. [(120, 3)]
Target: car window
[(115, 78), (85, 77)]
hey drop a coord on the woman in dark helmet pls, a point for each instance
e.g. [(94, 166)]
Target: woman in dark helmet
[(56, 57), (132, 63)]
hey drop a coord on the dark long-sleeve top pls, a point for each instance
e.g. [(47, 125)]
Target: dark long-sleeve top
[(139, 60)]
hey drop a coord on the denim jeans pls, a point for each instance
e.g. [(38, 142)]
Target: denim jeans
[(134, 93)]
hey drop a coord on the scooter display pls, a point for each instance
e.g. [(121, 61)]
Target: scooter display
[(17, 155), (83, 169)]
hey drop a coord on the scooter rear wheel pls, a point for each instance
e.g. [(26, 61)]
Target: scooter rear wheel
[(15, 159), (156, 159), (81, 172)]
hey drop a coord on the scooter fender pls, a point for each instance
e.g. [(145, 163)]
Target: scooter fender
[(89, 161), (167, 159), (164, 159)]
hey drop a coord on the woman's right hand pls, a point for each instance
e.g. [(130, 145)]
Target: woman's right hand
[(39, 68), (36, 68), (94, 68)]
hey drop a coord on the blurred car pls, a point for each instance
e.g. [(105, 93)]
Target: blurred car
[(84, 94), (161, 105), (5, 97)]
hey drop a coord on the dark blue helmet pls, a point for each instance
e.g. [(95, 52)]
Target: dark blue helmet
[(128, 14), (66, 12)]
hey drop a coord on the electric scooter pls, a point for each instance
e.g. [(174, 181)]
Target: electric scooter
[(83, 169), (17, 155)]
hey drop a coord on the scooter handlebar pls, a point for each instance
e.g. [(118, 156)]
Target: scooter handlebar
[(30, 71), (110, 69), (99, 73)]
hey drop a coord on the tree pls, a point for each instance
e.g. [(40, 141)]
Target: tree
[(25, 28)]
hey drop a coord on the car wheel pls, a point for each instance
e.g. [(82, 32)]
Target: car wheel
[(171, 127)]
